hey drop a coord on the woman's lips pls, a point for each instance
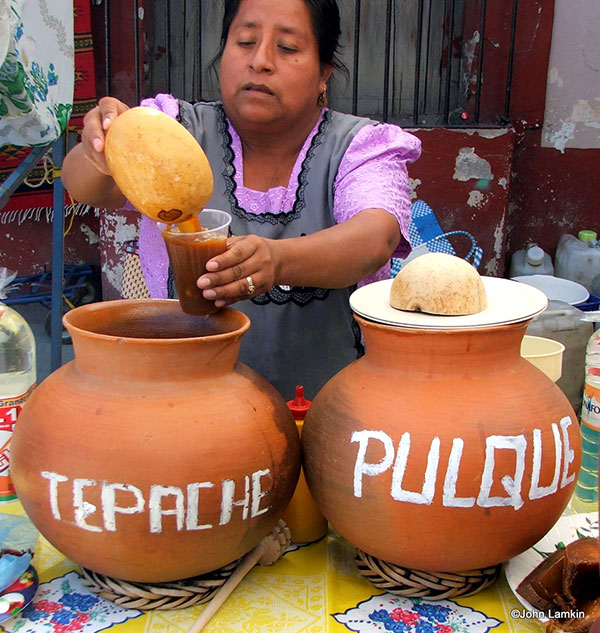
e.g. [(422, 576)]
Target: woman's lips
[(257, 88)]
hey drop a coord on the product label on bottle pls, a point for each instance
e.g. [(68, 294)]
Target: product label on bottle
[(586, 489), (590, 409), (9, 412)]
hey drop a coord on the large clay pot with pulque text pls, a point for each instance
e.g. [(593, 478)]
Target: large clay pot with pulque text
[(441, 449), (154, 455)]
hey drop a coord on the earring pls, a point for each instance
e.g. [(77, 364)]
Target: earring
[(322, 99)]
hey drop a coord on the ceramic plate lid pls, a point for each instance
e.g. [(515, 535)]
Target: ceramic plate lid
[(508, 302)]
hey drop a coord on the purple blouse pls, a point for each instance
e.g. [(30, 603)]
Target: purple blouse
[(376, 157)]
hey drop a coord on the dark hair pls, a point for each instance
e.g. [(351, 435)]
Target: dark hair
[(325, 17)]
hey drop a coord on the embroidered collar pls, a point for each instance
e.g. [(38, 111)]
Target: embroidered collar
[(229, 171)]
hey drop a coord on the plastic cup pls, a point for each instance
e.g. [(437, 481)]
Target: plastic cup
[(546, 354), (188, 254)]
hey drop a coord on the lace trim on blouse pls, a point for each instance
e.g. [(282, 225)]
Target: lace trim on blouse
[(232, 153)]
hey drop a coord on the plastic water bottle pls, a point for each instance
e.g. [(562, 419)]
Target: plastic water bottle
[(596, 285), (17, 381), (531, 261), (586, 491)]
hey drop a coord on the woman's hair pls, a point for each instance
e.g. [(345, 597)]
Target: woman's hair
[(325, 17)]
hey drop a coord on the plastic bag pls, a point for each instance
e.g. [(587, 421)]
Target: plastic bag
[(6, 277)]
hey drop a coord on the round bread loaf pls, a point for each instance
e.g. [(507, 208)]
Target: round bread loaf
[(158, 165), (438, 283)]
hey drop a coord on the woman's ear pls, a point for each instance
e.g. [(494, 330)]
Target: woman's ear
[(326, 70)]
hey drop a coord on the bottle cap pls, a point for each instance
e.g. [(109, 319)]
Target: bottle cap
[(299, 405), (535, 255), (587, 235)]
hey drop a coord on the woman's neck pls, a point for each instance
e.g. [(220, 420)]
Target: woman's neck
[(269, 156)]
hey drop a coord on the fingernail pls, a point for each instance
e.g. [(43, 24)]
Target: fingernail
[(209, 294), (212, 266), (97, 144), (203, 282), (106, 122)]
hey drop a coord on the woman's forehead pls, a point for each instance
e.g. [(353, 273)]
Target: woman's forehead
[(288, 16)]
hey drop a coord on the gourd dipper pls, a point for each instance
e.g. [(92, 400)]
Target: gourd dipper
[(159, 166)]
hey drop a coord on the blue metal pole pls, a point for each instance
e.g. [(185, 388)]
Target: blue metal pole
[(16, 178), (58, 229)]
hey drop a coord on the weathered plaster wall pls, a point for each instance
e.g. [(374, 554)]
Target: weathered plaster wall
[(464, 176), (572, 116), (555, 187), (552, 193), (26, 246)]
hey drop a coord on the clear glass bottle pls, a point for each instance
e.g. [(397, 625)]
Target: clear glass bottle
[(17, 381), (585, 498)]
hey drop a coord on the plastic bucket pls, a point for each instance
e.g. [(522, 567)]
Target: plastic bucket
[(545, 354), (563, 323)]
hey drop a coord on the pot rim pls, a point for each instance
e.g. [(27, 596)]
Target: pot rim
[(237, 329)]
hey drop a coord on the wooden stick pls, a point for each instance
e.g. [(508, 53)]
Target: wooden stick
[(266, 552)]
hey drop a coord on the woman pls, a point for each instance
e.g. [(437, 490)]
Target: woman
[(319, 199)]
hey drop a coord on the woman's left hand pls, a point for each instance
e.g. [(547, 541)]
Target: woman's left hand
[(244, 270)]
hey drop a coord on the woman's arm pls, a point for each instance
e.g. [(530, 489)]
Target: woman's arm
[(335, 257), (84, 172)]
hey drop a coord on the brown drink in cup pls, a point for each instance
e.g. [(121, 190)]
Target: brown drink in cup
[(188, 254)]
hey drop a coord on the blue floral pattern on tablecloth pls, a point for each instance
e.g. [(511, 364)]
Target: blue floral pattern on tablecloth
[(65, 605), (398, 614), (37, 70)]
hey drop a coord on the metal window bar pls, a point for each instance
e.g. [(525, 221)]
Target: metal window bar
[(386, 71), (107, 56), (355, 57), (136, 50), (449, 19), (168, 42), (511, 61), (417, 80), (199, 63), (480, 61)]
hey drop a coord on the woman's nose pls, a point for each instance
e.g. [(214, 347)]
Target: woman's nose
[(263, 60)]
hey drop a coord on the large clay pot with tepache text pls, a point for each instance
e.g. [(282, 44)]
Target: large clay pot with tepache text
[(442, 449), (154, 455)]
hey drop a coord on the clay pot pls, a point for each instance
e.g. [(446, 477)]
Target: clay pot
[(154, 455), (441, 450)]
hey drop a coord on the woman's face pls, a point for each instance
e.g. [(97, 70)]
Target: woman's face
[(270, 73)]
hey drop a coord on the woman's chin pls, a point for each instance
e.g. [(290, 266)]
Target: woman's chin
[(254, 113)]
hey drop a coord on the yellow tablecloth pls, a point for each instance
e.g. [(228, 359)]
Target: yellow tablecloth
[(311, 589)]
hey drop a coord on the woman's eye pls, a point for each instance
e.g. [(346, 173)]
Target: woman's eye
[(288, 49), (245, 43)]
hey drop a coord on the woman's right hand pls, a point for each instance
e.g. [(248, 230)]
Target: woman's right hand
[(95, 125), (85, 173)]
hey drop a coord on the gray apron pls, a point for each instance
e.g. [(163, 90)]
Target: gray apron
[(298, 335)]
